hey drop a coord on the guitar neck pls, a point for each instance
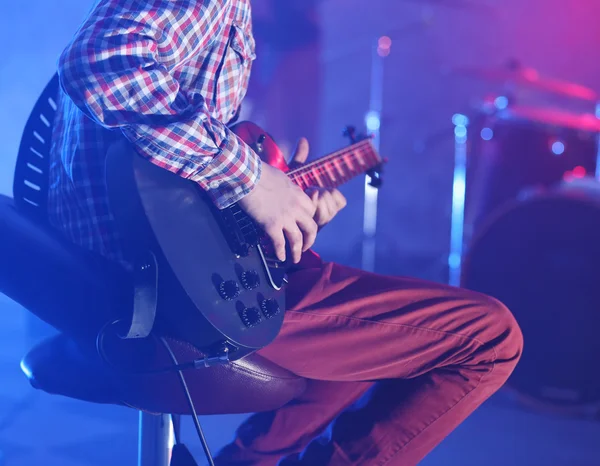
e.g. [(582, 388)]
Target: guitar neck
[(337, 168)]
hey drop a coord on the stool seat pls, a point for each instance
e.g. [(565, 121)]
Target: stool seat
[(59, 366)]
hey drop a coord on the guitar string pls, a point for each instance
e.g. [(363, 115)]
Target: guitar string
[(330, 165), (367, 156), (325, 171), (340, 153), (333, 154), (324, 178)]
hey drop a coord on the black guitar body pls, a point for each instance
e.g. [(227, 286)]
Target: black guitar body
[(216, 285)]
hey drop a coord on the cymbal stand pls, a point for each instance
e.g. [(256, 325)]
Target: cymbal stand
[(461, 123), (373, 124)]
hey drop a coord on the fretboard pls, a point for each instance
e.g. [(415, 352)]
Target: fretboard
[(335, 169)]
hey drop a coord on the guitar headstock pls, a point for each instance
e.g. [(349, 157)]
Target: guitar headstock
[(350, 133)]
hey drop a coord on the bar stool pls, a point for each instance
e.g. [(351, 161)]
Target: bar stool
[(58, 282)]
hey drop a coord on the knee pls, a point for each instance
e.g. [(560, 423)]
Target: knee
[(503, 332), (498, 337)]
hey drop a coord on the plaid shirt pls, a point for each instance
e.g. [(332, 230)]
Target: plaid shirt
[(167, 75)]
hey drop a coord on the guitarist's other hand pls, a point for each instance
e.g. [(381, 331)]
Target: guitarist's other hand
[(283, 211), (328, 201)]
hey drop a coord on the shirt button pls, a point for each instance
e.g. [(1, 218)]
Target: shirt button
[(214, 184)]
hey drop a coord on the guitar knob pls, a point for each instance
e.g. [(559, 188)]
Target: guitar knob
[(229, 290), (270, 308), (250, 279), (250, 317)]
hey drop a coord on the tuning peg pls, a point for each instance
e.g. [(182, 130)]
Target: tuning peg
[(350, 132), (375, 178)]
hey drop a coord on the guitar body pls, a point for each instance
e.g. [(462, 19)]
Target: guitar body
[(219, 283)]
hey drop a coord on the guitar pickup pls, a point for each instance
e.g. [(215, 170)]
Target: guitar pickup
[(239, 230)]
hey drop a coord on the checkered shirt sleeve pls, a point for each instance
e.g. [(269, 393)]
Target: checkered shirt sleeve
[(122, 70)]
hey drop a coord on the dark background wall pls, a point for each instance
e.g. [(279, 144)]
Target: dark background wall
[(324, 82), (313, 76)]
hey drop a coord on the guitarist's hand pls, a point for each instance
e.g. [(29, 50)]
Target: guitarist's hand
[(283, 210), (328, 201)]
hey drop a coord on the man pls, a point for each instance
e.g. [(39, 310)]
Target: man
[(168, 76)]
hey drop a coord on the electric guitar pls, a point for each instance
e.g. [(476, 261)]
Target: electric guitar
[(218, 283)]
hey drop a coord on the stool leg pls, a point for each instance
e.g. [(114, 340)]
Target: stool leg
[(155, 440)]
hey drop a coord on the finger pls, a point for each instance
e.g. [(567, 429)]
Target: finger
[(295, 239), (278, 240), (314, 194), (309, 229), (311, 191), (301, 151), (327, 208), (308, 203), (339, 198), (332, 208), (322, 215), (327, 198)]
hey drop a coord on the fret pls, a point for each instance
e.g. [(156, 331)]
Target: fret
[(348, 161), (305, 182), (367, 159), (373, 158), (331, 182), (330, 171), (315, 176), (326, 180), (342, 173), (346, 167), (359, 158), (299, 179), (318, 178)]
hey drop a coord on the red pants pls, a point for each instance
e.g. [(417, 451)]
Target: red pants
[(424, 355)]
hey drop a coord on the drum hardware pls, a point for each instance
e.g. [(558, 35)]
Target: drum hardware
[(516, 76), (520, 148), (525, 228), (539, 256)]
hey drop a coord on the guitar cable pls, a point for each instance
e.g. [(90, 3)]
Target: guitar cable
[(190, 402), (195, 364), (176, 367)]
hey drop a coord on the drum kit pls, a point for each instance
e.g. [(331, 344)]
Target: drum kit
[(530, 231)]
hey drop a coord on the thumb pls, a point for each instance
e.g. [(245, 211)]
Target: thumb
[(301, 152)]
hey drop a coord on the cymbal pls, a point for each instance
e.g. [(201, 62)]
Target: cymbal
[(513, 73), (586, 122)]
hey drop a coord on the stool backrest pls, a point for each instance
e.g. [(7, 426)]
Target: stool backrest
[(30, 185)]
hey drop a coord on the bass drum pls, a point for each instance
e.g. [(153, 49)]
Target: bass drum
[(541, 257)]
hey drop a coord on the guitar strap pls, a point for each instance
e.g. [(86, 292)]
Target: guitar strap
[(145, 297)]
